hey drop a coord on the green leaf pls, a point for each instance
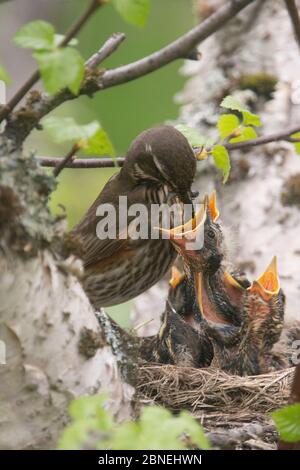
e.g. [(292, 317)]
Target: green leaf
[(194, 137), (227, 124), (287, 421), (67, 129), (90, 422), (99, 144), (126, 437), (194, 430), (86, 407), (246, 133), (61, 68), (297, 144), (76, 434), (230, 102), (250, 119), (58, 38), (35, 35), (222, 160), (169, 434), (4, 75), (133, 11)]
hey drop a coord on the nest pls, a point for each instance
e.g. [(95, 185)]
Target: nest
[(216, 398)]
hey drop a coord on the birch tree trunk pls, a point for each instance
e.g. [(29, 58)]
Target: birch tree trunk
[(53, 348)]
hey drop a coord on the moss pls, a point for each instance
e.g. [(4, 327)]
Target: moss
[(263, 84), (90, 342), (25, 188), (290, 195)]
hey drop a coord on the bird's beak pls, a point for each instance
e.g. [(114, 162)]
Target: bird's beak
[(191, 232), (230, 281), (176, 278), (268, 284), (214, 212)]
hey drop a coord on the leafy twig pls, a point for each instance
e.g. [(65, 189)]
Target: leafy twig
[(108, 162), (19, 126), (106, 50), (32, 80), (265, 139)]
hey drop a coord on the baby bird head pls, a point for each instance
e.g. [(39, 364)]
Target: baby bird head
[(199, 241), (264, 307)]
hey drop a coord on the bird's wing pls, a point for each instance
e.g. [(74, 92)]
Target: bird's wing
[(95, 249)]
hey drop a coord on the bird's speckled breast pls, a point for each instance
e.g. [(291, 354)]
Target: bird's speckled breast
[(131, 272), (132, 276)]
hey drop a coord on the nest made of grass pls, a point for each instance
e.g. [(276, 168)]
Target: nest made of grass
[(212, 395)]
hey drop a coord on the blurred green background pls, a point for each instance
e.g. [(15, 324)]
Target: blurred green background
[(123, 111)]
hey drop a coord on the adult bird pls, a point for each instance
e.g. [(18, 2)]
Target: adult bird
[(159, 169)]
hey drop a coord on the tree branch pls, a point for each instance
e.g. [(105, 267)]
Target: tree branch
[(265, 139), (67, 159), (108, 162), (294, 16), (33, 79), (93, 162), (179, 48), (22, 123), (106, 50)]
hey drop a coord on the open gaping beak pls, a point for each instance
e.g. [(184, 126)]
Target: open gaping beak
[(268, 284), (214, 212), (191, 232)]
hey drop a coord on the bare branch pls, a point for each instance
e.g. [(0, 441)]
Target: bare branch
[(96, 162), (106, 50), (179, 48), (19, 126), (32, 80), (295, 18), (64, 161)]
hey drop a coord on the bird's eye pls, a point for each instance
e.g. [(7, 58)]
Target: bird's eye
[(211, 234)]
